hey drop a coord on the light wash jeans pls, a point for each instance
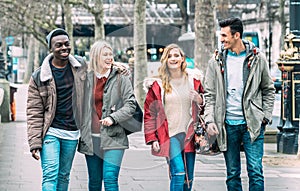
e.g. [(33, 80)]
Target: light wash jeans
[(56, 160), (104, 167), (253, 152), (177, 166)]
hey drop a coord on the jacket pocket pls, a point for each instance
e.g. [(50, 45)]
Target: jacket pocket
[(256, 111), (43, 91), (258, 107), (114, 131)]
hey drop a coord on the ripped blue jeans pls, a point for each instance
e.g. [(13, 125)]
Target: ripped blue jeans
[(56, 160), (177, 166)]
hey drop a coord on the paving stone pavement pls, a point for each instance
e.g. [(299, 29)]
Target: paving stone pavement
[(140, 170)]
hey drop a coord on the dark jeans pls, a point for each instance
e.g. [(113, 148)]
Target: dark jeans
[(177, 166), (104, 165), (237, 134)]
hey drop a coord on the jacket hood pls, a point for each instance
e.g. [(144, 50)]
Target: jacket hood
[(250, 46), (46, 73), (149, 81)]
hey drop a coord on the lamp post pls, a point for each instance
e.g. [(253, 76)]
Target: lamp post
[(289, 64)]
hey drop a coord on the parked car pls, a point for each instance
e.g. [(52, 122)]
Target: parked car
[(276, 76)]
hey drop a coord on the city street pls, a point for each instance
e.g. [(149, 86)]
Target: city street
[(140, 170)]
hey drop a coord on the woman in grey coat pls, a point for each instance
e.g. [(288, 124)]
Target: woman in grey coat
[(109, 99)]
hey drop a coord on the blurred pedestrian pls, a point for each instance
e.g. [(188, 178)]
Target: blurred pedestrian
[(109, 100), (239, 94), (171, 107), (55, 95)]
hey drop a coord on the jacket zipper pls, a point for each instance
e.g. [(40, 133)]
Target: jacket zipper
[(243, 95)]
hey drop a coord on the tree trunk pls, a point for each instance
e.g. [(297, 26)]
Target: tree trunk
[(30, 58), (298, 154), (223, 8), (282, 22), (140, 56), (185, 17), (99, 21), (204, 34), (69, 24), (36, 63)]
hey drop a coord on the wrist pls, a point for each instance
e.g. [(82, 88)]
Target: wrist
[(201, 100), (266, 121), (112, 120)]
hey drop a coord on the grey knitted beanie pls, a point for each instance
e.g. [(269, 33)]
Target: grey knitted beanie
[(53, 33)]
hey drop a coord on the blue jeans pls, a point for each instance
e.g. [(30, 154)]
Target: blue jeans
[(56, 160), (237, 134), (177, 166), (104, 165)]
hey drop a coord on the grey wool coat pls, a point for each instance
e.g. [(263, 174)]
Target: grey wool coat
[(118, 103)]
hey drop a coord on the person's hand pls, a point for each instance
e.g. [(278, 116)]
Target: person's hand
[(122, 68), (212, 129), (155, 146), (265, 121), (107, 121), (196, 97), (35, 154)]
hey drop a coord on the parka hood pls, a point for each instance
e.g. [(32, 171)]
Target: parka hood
[(149, 81), (192, 74)]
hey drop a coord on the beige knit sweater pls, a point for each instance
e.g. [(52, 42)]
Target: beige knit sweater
[(177, 106)]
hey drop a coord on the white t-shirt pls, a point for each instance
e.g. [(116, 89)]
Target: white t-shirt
[(235, 85)]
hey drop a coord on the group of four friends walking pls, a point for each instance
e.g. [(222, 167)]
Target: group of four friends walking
[(73, 105)]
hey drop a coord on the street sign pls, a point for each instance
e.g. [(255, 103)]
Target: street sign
[(9, 40)]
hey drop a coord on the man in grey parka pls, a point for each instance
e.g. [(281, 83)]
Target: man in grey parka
[(239, 94)]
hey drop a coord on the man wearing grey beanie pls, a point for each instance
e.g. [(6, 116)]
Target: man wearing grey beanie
[(55, 98)]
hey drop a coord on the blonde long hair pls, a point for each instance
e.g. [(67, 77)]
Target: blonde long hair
[(163, 70), (95, 53)]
